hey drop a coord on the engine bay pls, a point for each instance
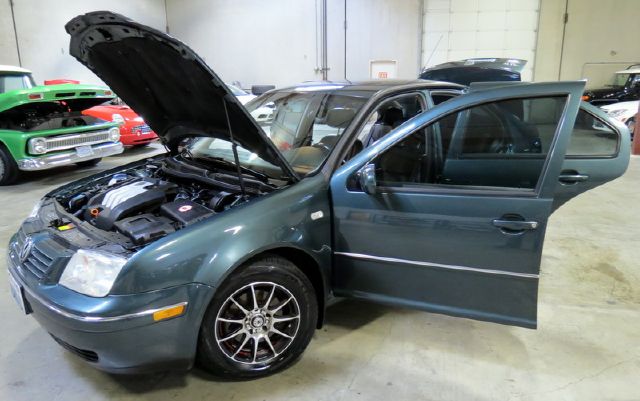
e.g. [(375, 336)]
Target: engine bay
[(146, 202), (43, 116)]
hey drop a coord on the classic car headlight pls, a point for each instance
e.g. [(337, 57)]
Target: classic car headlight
[(37, 146), (117, 118), (114, 134), (92, 272)]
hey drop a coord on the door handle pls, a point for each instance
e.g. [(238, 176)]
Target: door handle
[(515, 226), (572, 178)]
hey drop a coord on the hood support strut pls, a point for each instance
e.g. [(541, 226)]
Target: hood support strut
[(234, 147)]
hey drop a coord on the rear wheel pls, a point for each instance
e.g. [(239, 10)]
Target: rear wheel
[(8, 168), (259, 322), (89, 163)]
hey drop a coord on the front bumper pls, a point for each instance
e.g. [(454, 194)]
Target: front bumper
[(69, 157), (116, 333)]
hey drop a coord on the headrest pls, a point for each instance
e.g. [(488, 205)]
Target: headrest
[(339, 117)]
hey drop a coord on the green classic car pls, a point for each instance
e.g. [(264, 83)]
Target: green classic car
[(42, 127), (227, 249)]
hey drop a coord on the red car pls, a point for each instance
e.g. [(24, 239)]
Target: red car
[(133, 130)]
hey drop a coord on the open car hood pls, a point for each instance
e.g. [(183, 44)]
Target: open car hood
[(166, 82), (464, 72)]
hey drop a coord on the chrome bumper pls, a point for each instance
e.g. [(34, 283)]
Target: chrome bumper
[(69, 157)]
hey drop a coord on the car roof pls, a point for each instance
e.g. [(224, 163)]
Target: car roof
[(11, 68), (372, 85), (629, 71)]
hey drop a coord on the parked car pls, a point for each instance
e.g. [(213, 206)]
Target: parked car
[(625, 112), (42, 127), (243, 96), (466, 71), (133, 130), (624, 87), (413, 194)]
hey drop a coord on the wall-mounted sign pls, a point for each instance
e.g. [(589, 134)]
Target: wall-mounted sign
[(383, 69)]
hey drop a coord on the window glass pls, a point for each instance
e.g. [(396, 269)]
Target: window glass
[(498, 145), (592, 137), (620, 79), (305, 126), (438, 98), (389, 115), (13, 82)]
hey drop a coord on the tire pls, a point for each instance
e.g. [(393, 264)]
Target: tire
[(8, 168), (89, 163), (273, 280)]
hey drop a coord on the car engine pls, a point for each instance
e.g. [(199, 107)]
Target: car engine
[(156, 198)]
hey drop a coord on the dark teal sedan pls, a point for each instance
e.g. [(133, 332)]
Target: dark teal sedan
[(227, 249)]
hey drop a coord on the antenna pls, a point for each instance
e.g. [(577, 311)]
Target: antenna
[(234, 148)]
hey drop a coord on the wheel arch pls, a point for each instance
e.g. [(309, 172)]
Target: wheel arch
[(302, 260)]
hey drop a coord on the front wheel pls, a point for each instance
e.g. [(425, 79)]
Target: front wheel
[(259, 322), (8, 168)]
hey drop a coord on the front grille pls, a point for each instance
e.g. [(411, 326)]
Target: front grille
[(87, 355), (143, 128), (38, 263), (75, 140), (40, 259)]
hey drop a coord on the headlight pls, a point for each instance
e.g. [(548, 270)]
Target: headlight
[(92, 272), (35, 210), (117, 118), (37, 146), (114, 134)]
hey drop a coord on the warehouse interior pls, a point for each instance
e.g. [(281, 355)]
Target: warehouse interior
[(585, 346)]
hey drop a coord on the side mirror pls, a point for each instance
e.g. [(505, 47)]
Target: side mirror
[(367, 178)]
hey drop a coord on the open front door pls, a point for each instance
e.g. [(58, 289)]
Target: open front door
[(448, 212)]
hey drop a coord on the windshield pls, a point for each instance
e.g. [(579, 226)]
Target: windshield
[(16, 81), (620, 80), (305, 126)]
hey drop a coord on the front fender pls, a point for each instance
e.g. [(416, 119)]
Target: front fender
[(296, 217)]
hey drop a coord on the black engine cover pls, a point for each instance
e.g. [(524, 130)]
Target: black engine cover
[(185, 211)]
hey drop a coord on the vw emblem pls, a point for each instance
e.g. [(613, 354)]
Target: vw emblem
[(26, 249)]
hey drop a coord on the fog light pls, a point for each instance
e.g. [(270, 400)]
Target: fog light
[(170, 311)]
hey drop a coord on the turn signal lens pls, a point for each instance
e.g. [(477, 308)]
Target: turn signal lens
[(169, 312), (35, 96), (585, 98)]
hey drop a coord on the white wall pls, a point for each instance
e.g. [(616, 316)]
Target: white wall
[(460, 29), (251, 41), (43, 42), (277, 41), (383, 30), (8, 51)]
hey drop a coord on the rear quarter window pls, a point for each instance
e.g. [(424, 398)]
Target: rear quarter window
[(592, 137)]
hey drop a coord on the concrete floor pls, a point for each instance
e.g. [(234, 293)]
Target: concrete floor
[(587, 346)]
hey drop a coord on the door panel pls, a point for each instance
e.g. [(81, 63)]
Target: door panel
[(465, 250)]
